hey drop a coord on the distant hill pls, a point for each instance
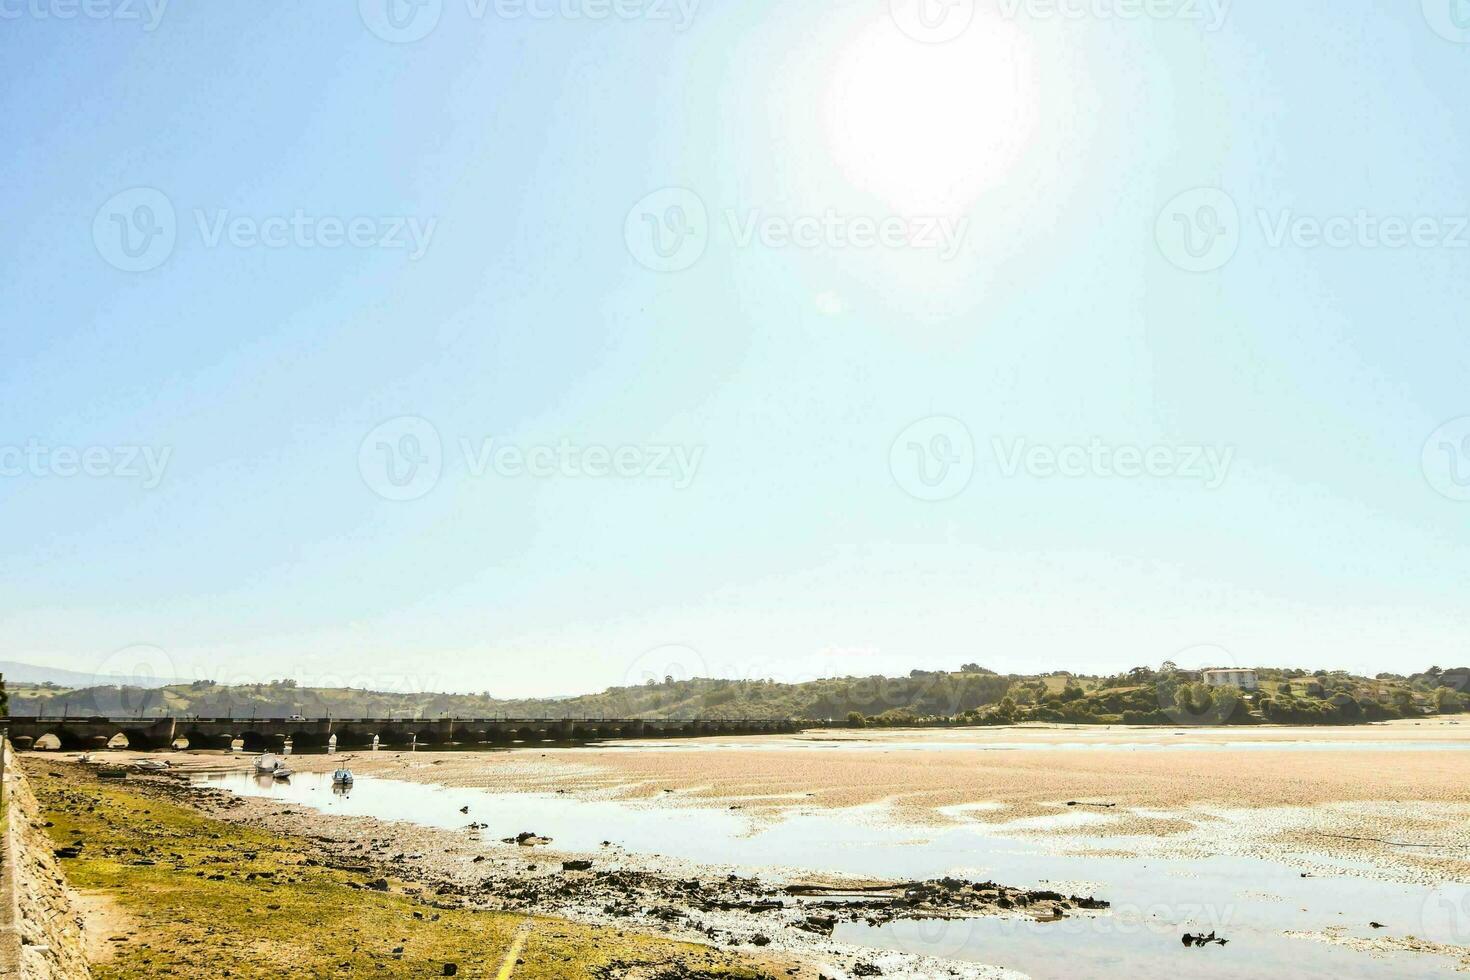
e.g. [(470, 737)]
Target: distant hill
[(19, 673), (971, 696)]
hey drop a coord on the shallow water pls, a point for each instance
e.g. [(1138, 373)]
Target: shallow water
[(1250, 901)]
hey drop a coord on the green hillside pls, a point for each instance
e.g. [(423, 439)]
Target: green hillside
[(1168, 696)]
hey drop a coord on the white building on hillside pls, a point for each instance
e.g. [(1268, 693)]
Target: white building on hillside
[(1233, 677)]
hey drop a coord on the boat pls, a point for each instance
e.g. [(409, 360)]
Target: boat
[(268, 764), (153, 765), (342, 777), (282, 771)]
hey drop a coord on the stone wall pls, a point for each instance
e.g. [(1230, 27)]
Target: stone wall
[(40, 924)]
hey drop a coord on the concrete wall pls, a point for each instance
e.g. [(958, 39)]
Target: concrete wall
[(40, 925)]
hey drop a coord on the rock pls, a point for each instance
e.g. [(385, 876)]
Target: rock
[(378, 885), (576, 865), (760, 939), (450, 969)]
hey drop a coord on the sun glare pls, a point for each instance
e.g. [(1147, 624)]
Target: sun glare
[(928, 128)]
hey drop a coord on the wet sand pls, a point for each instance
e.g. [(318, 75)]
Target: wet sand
[(1374, 793), (1384, 802)]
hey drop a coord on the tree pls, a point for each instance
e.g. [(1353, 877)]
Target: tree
[(855, 719), (4, 699), (1447, 701)]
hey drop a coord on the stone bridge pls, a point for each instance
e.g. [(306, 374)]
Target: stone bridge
[(258, 734)]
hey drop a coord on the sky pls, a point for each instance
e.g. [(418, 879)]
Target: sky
[(537, 346)]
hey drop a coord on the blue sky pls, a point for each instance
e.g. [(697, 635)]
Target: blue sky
[(1039, 340)]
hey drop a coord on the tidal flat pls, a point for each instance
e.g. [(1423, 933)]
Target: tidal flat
[(1040, 852)]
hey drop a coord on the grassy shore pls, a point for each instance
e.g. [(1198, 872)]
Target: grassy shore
[(178, 894)]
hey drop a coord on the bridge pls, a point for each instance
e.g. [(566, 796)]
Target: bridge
[(261, 734)]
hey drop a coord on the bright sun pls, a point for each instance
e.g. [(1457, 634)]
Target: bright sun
[(930, 127)]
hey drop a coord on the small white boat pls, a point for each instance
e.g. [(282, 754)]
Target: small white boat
[(154, 765), (88, 758), (268, 764), (342, 777), (282, 771)]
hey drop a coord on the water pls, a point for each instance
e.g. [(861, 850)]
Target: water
[(1250, 901)]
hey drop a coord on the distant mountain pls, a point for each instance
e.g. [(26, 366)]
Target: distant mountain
[(18, 673)]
